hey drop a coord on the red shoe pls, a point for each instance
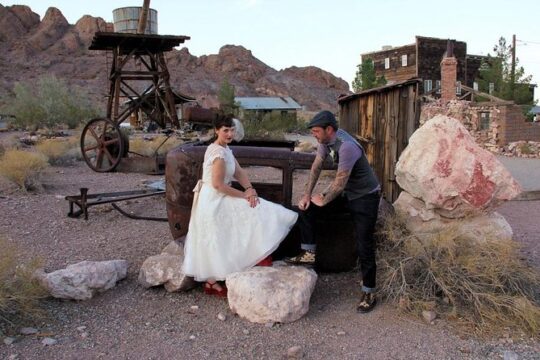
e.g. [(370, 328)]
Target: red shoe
[(215, 289), (267, 261)]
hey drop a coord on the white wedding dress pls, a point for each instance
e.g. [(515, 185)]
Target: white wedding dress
[(225, 234)]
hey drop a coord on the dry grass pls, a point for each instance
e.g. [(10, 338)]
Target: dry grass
[(148, 147), (23, 168), (60, 151), (484, 286), (20, 291)]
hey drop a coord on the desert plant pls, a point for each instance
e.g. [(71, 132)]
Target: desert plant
[(148, 147), (20, 292), (23, 168), (49, 104), (526, 149), (272, 125), (60, 151), (484, 285)]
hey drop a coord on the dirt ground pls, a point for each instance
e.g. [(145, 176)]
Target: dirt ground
[(131, 322)]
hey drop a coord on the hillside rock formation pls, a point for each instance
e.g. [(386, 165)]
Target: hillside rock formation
[(30, 48)]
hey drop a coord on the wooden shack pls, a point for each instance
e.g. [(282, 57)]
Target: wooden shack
[(383, 119)]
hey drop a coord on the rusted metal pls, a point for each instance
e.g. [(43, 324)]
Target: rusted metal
[(85, 200), (199, 115), (184, 168)]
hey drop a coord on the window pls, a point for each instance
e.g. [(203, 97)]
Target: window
[(428, 86), (458, 87), (438, 86), (484, 121), (403, 60), (387, 63), (491, 88), (475, 86)]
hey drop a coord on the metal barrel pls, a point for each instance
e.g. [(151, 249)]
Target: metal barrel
[(126, 20)]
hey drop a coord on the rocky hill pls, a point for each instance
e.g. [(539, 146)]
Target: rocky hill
[(31, 47)]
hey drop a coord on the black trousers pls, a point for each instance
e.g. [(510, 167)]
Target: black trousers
[(363, 212)]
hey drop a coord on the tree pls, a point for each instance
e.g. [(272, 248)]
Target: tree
[(226, 96), (366, 77), (497, 70)]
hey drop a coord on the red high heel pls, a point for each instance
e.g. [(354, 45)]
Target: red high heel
[(267, 261), (212, 289)]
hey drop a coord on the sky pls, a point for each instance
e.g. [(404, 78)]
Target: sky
[(329, 34)]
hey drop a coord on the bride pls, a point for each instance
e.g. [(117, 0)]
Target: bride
[(229, 230)]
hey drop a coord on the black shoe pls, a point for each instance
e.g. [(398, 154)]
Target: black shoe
[(367, 302), (306, 257)]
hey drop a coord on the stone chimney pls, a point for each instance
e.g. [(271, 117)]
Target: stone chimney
[(448, 73)]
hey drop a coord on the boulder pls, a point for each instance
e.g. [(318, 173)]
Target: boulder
[(83, 280), (166, 269), (422, 221), (271, 294), (450, 173)]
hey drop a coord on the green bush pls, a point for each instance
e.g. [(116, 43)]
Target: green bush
[(271, 125), (48, 104), (23, 168)]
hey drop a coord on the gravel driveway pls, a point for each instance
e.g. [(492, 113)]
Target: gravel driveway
[(130, 322)]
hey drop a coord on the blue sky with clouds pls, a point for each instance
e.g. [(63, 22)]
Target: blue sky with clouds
[(329, 34)]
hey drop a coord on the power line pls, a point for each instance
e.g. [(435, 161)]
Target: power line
[(526, 42)]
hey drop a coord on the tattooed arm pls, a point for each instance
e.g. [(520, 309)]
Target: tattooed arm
[(335, 188), (314, 173)]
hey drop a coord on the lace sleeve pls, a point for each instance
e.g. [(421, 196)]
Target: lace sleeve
[(214, 152)]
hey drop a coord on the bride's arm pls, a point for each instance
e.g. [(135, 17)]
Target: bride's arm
[(218, 177)]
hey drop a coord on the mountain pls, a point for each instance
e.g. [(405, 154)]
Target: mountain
[(31, 47)]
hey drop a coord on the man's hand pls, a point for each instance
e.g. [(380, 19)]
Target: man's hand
[(318, 199), (303, 203)]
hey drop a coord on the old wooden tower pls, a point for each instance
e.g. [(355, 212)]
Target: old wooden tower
[(383, 119)]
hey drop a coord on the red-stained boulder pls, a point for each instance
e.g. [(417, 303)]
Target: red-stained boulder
[(52, 28), (87, 26), (450, 173)]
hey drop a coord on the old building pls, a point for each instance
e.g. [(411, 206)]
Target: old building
[(258, 107), (422, 59)]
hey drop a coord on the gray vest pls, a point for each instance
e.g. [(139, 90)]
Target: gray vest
[(362, 180)]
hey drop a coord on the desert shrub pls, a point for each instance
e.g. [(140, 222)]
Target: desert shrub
[(271, 125), (526, 149), (483, 285), (148, 147), (60, 151), (20, 292), (49, 103), (23, 168)]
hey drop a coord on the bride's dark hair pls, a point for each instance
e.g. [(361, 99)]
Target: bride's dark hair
[(222, 120)]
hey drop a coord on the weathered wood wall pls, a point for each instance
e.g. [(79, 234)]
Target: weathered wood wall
[(383, 119)]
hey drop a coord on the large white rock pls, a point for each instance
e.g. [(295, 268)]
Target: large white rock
[(83, 280), (421, 221), (166, 269), (271, 294), (450, 173)]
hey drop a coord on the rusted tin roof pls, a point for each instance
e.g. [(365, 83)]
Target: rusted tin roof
[(128, 42), (378, 90), (268, 103)]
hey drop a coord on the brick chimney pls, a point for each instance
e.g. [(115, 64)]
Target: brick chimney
[(448, 73)]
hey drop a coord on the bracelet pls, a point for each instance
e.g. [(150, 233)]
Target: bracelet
[(249, 187)]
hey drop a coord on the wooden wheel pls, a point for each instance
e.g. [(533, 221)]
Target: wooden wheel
[(102, 144)]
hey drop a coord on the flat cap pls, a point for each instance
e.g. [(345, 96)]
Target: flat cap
[(323, 119)]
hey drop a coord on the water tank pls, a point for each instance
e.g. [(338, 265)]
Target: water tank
[(126, 20)]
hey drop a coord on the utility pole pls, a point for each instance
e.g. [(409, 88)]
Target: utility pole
[(144, 16), (513, 68)]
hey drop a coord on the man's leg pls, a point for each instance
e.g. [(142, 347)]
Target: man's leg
[(364, 212), (306, 225)]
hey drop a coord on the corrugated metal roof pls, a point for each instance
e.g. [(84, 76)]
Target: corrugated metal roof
[(267, 103), (535, 110), (378, 89)]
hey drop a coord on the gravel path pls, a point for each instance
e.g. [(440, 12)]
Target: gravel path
[(134, 323)]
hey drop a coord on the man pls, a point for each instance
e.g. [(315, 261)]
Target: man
[(355, 190)]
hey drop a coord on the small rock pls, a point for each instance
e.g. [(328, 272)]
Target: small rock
[(429, 316), (341, 333), (192, 337), (295, 352), (194, 307), (81, 328), (49, 341), (246, 332), (9, 340), (13, 357), (84, 335), (221, 316), (510, 355), (269, 325), (147, 324), (28, 331)]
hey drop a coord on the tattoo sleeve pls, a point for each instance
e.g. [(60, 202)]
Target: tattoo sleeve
[(337, 186), (316, 168)]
